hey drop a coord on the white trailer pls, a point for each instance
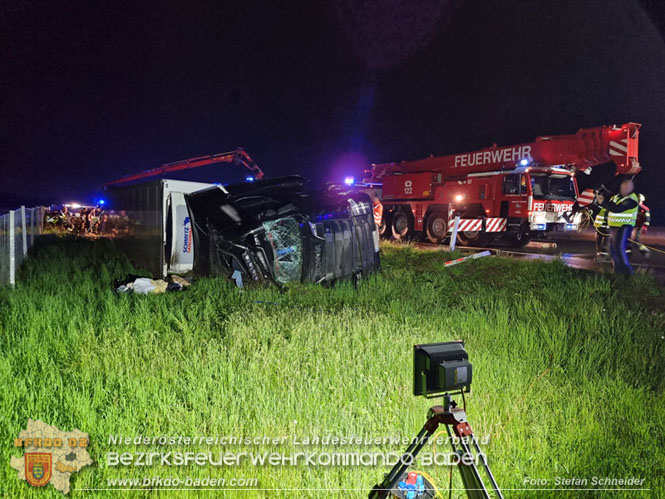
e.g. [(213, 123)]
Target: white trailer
[(153, 224)]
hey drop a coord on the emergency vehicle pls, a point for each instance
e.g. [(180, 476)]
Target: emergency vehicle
[(511, 192)]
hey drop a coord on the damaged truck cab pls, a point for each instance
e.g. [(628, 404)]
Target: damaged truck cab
[(255, 231), (276, 231)]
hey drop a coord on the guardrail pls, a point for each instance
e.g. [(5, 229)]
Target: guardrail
[(18, 231)]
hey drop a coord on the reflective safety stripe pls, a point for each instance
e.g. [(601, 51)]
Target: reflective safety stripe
[(378, 213), (628, 217), (600, 220)]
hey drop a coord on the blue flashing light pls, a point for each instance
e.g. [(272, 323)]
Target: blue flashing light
[(539, 226), (349, 180), (571, 227), (524, 162), (249, 179), (101, 202)]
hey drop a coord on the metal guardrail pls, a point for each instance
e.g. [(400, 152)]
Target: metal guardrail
[(19, 230)]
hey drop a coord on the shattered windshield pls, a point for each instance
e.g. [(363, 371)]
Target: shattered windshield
[(552, 186), (284, 237)]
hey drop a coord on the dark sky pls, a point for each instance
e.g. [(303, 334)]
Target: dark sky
[(91, 91)]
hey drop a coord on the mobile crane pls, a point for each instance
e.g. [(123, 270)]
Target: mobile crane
[(237, 157), (513, 192)]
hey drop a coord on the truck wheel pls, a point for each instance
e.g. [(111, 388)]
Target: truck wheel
[(475, 238), (385, 225), (402, 226), (518, 239), (437, 226)]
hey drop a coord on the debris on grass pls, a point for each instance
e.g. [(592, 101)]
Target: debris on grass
[(450, 263), (145, 285)]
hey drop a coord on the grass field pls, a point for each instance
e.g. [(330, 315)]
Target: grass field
[(569, 368)]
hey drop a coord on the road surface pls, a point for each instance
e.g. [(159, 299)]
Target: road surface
[(578, 250)]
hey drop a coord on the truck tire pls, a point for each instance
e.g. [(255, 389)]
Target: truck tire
[(475, 238), (384, 228), (437, 226), (518, 239), (402, 225)]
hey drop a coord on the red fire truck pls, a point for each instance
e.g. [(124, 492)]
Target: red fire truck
[(513, 192)]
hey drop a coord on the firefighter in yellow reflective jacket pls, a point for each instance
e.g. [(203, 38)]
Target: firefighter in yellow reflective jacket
[(621, 217)]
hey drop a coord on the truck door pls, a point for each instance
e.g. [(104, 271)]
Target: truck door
[(486, 196), (515, 202)]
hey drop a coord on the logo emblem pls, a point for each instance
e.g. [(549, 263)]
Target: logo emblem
[(37, 468), (187, 245)]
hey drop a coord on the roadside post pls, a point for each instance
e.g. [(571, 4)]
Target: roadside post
[(12, 249), (24, 234), (453, 236)]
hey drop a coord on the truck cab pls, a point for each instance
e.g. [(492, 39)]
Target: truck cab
[(552, 193), (541, 195), (529, 199)]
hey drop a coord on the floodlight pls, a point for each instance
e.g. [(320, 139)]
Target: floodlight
[(440, 368)]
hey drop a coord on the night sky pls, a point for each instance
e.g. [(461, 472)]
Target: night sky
[(91, 91)]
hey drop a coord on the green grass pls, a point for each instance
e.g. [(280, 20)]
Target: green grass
[(569, 367)]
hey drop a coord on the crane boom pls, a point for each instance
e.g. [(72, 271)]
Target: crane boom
[(237, 157), (582, 150)]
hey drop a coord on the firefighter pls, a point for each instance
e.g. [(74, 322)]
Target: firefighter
[(643, 221), (378, 210), (621, 217)]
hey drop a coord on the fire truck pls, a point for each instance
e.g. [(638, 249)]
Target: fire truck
[(512, 192)]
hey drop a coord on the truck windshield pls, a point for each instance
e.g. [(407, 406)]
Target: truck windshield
[(552, 186), (284, 237)]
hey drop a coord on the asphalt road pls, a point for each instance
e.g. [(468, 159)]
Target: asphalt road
[(578, 250)]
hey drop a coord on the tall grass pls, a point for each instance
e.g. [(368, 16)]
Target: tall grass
[(569, 367)]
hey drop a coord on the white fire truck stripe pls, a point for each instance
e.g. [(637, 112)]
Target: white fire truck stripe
[(619, 146), (474, 224), (616, 153), (586, 198), (469, 224), (496, 224)]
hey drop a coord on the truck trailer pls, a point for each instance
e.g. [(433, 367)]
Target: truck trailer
[(153, 224)]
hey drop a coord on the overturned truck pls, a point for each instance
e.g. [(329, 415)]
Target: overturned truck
[(277, 231), (259, 230)]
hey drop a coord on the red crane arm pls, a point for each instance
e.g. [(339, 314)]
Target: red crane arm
[(237, 157), (582, 150)]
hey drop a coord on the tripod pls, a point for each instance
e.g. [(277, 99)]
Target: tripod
[(453, 417)]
